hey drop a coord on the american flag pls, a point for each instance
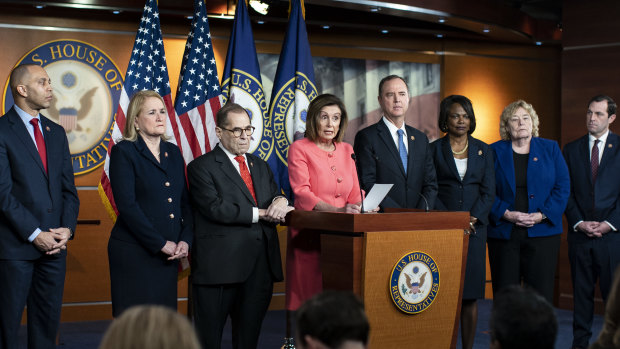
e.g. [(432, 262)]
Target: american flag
[(199, 96), (147, 70)]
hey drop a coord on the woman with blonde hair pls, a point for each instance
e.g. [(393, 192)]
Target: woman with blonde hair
[(154, 227), (153, 327), (532, 188)]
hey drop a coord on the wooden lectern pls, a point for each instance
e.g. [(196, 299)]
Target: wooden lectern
[(359, 253)]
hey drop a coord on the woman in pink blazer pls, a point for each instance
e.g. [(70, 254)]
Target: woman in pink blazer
[(323, 178)]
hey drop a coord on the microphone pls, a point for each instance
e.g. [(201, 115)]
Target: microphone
[(425, 202), (358, 178)]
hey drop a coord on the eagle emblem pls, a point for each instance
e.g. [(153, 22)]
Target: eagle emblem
[(414, 283)]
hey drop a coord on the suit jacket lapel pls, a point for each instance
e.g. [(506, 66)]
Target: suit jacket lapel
[(584, 155), (449, 158), (506, 162), (146, 152), (385, 136), (611, 147), (231, 172), (22, 134)]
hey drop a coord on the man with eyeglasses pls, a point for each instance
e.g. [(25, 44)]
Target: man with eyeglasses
[(236, 253)]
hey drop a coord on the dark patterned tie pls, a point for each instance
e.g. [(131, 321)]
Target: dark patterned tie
[(38, 139), (245, 175), (594, 161)]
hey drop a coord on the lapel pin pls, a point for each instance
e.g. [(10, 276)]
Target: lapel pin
[(480, 152), (535, 159), (609, 146), (251, 164), (47, 128), (412, 138), (166, 154)]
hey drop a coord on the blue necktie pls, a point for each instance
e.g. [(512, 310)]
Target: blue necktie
[(402, 151)]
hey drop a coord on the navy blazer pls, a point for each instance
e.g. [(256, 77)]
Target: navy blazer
[(606, 189), (226, 242), (379, 162), (151, 196), (548, 187), (30, 198), (476, 191)]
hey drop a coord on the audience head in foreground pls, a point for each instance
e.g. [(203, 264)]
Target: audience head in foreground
[(332, 320), (521, 318), (150, 326)]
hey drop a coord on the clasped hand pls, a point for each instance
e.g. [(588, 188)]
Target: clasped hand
[(594, 229), (521, 219), (276, 212), (175, 251), (52, 241)]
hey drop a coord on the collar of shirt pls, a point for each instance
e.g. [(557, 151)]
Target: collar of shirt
[(601, 144), (394, 132), (26, 120), (231, 156)]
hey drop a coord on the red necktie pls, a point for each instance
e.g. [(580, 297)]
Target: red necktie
[(245, 175), (594, 161), (38, 138)]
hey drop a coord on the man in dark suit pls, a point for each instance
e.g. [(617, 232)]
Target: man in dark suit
[(236, 253), (39, 207), (593, 213), (394, 153)]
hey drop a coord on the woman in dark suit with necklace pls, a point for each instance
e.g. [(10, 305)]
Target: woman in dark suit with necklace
[(154, 227), (466, 180)]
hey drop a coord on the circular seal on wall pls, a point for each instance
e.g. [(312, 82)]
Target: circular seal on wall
[(247, 91), (87, 86), (289, 112), (414, 283)]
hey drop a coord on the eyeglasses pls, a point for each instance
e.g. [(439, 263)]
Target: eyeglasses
[(237, 131)]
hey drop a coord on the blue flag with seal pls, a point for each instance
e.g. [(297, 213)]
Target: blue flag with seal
[(241, 82), (293, 90)]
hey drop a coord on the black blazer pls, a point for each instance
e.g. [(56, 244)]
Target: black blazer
[(30, 199), (606, 188), (226, 242), (476, 192), (151, 196), (379, 162)]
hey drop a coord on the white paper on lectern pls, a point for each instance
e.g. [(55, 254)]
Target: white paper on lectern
[(376, 195)]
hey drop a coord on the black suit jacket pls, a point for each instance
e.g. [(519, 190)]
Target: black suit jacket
[(30, 198), (150, 212), (606, 189), (226, 242), (476, 191), (379, 162)]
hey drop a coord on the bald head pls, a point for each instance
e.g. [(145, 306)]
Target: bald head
[(31, 88)]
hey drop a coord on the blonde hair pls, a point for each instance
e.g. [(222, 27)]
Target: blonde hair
[(509, 112), (135, 107), (150, 326)]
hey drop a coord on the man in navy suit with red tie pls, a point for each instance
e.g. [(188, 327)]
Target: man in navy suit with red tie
[(38, 211), (593, 213)]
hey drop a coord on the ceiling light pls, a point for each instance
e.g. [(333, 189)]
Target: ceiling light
[(189, 17), (325, 27), (39, 6), (260, 22), (439, 35), (441, 20), (259, 6), (374, 9), (385, 31), (486, 30), (538, 43), (116, 12)]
